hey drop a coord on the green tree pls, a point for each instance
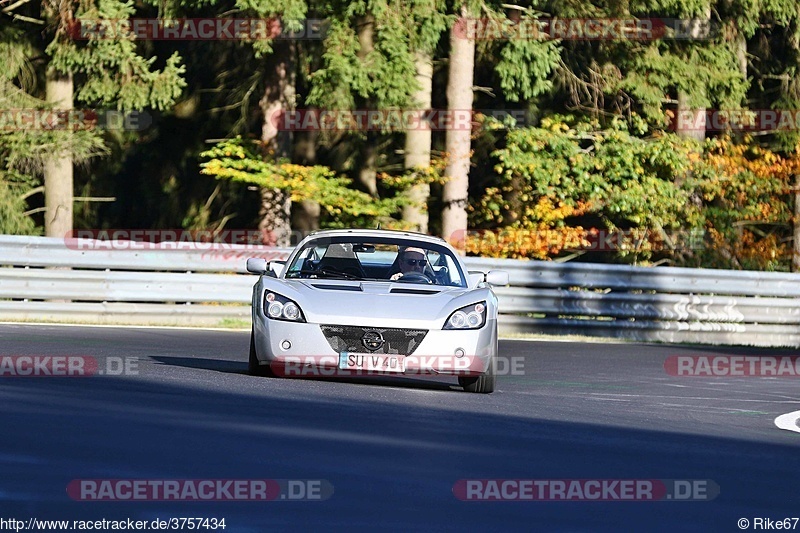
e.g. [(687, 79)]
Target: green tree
[(568, 170), (25, 144), (109, 72), (242, 161)]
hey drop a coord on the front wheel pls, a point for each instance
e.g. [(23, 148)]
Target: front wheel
[(483, 384), (253, 366)]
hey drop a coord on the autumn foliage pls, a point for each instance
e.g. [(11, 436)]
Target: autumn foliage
[(569, 188)]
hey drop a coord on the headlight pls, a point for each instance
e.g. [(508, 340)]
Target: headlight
[(282, 308), (472, 316)]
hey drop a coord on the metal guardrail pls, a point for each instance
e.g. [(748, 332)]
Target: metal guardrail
[(139, 256), (82, 280), (182, 283)]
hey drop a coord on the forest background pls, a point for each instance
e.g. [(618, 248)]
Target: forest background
[(641, 131)]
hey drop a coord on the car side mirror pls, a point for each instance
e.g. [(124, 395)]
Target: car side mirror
[(257, 265), (497, 277)]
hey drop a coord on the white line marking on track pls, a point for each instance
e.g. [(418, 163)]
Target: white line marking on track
[(656, 396), (789, 421)]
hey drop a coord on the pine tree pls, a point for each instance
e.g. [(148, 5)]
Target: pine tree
[(98, 71)]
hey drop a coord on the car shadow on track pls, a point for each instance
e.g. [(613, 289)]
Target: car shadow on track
[(204, 363), (432, 383)]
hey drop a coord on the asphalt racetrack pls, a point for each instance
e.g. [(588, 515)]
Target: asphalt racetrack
[(395, 454)]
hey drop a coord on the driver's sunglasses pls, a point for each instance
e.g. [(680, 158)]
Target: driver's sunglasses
[(412, 262)]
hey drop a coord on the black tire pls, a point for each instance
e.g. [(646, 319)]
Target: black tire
[(483, 384), (253, 366)]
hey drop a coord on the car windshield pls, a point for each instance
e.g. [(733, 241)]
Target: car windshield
[(377, 259)]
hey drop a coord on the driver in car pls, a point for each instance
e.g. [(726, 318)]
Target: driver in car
[(412, 260)]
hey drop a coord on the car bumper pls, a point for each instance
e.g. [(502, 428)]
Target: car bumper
[(296, 349)]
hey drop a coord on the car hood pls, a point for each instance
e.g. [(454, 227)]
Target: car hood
[(377, 304)]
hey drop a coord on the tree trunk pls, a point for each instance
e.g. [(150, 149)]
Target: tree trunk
[(741, 52), (692, 121), (305, 219), (276, 204), (58, 177), (305, 214), (368, 167), (418, 145), (275, 212), (458, 136)]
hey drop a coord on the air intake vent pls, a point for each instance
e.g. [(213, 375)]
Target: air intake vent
[(356, 288), (413, 291)]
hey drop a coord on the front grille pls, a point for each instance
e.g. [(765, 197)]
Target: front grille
[(396, 340)]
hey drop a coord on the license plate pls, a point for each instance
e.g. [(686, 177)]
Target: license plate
[(372, 362)]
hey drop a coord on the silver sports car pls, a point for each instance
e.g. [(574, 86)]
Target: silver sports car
[(374, 302)]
